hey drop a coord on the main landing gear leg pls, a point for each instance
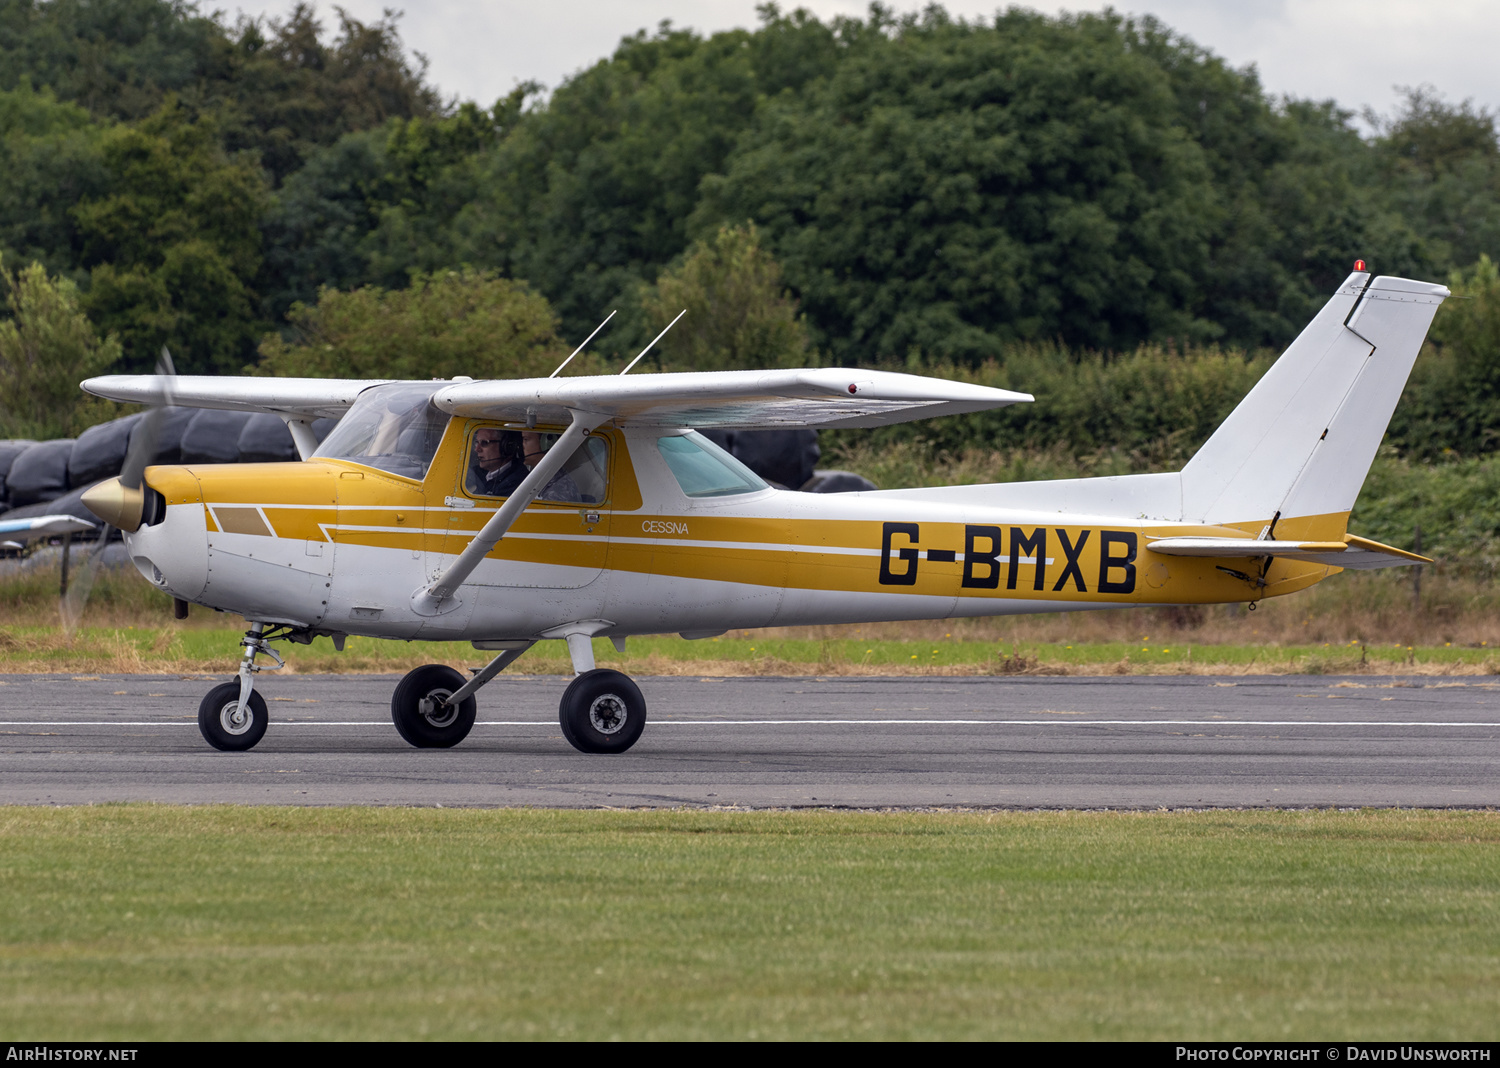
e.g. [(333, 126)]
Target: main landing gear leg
[(233, 716), (601, 711)]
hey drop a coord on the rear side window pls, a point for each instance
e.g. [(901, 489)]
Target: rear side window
[(703, 469)]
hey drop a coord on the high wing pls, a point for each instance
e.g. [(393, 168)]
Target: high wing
[(824, 397), (300, 398), (1360, 554)]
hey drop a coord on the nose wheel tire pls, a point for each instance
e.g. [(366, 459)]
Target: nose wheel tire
[(602, 711), (421, 717), (222, 724)]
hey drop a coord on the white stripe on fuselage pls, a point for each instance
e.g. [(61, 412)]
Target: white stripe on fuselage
[(754, 546)]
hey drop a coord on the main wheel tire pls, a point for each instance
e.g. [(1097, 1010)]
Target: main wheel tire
[(220, 722), (602, 711), (418, 716)]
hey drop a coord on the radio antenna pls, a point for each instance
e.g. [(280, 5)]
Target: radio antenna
[(579, 349), (654, 340)]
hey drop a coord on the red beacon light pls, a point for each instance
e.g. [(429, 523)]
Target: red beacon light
[(1359, 265)]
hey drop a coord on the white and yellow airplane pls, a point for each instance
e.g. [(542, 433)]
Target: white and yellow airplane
[(508, 512)]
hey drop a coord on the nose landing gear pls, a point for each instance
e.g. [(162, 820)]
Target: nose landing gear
[(232, 716)]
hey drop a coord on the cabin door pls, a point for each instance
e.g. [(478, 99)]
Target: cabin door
[(559, 542)]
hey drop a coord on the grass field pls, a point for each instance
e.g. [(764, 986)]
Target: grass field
[(144, 922), (198, 650)]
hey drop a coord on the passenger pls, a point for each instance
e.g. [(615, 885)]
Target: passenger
[(502, 459)]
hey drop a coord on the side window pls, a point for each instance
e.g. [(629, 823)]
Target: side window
[(499, 458), (702, 469)]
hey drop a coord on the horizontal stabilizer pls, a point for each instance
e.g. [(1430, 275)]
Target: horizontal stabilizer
[(1361, 554)]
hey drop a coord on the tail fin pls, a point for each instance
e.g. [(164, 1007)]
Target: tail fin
[(1301, 442)]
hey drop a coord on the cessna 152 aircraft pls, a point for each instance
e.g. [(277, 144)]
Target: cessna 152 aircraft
[(509, 512)]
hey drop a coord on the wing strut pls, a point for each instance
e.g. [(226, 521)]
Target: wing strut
[(437, 598), (302, 435)]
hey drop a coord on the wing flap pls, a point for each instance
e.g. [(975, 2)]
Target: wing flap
[(1360, 554)]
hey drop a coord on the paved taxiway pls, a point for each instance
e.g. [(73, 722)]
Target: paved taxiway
[(867, 742)]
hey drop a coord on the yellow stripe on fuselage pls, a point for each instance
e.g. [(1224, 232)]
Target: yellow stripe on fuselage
[(994, 560)]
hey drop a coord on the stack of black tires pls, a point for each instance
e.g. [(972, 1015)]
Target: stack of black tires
[(49, 477), (788, 459)]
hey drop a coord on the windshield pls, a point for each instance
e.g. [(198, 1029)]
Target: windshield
[(703, 469), (394, 428)]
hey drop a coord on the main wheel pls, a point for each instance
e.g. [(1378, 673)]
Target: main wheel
[(419, 714), (222, 724), (602, 711)]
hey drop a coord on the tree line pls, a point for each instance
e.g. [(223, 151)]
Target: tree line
[(1089, 207)]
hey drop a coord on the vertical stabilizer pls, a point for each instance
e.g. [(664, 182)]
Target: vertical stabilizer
[(1302, 441)]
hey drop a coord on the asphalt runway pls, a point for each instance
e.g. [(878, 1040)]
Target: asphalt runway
[(781, 742)]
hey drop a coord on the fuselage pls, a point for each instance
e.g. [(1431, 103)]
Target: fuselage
[(336, 546)]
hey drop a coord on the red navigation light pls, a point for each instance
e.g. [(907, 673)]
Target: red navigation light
[(1359, 265), (853, 388)]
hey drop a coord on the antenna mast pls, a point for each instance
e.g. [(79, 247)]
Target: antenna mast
[(579, 349), (654, 340)]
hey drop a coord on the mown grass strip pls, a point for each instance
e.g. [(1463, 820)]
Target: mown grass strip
[(145, 922), (199, 650)]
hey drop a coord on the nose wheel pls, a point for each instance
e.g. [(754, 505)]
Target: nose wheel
[(227, 724), (602, 711), (233, 716)]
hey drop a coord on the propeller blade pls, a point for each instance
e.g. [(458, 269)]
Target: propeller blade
[(138, 456), (143, 439), (76, 599)]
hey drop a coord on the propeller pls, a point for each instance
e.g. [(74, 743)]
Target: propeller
[(119, 501)]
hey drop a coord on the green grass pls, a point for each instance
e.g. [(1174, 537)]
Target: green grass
[(144, 922), (199, 649)]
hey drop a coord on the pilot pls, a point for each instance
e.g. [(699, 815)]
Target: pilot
[(502, 458), (497, 468)]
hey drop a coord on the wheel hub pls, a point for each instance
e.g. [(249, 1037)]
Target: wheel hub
[(607, 714), (235, 720), (435, 712)]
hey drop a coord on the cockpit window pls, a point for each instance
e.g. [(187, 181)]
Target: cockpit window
[(394, 428), (703, 469), (500, 457)]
